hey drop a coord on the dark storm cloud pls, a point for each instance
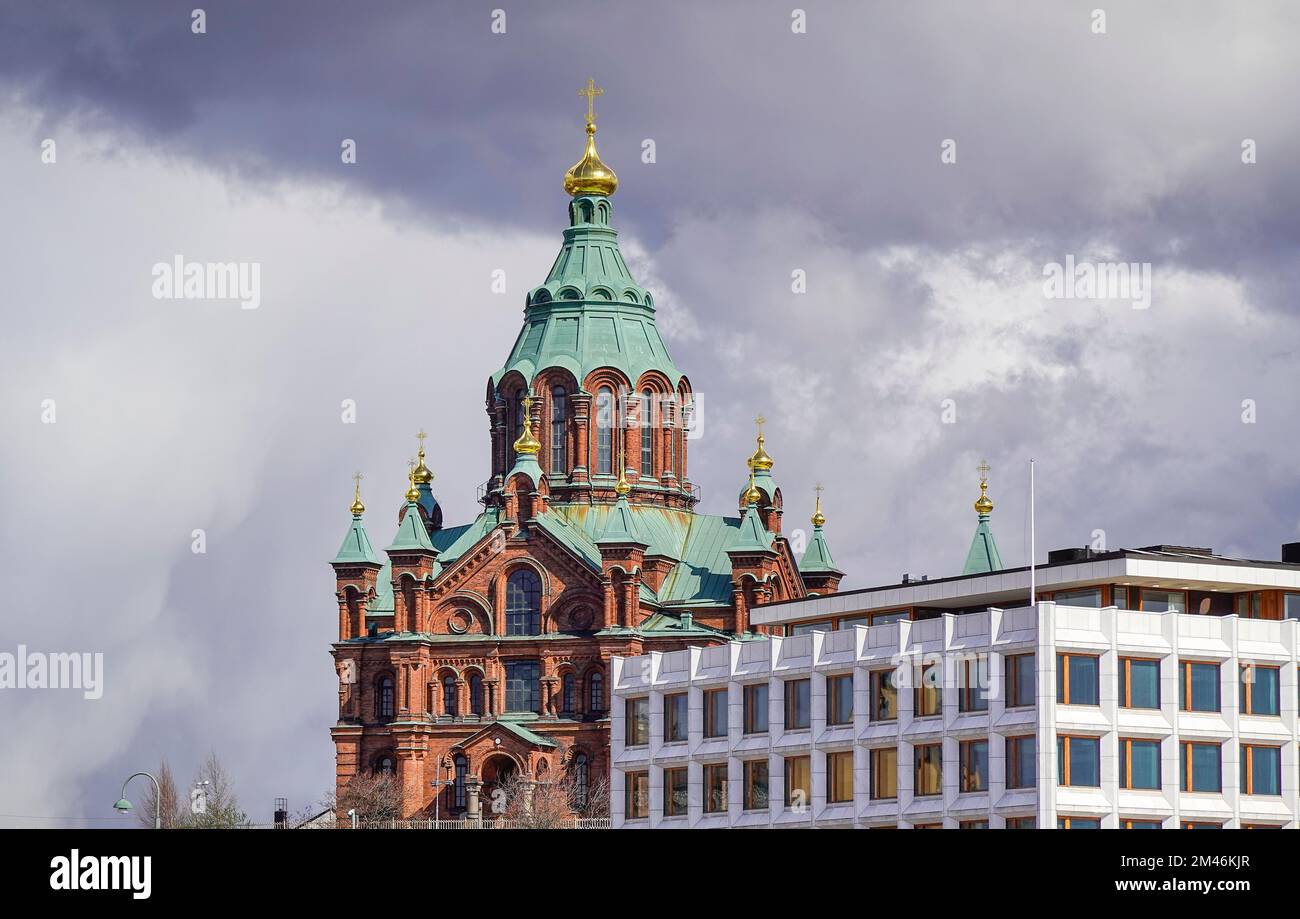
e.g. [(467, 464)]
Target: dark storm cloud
[(1062, 135)]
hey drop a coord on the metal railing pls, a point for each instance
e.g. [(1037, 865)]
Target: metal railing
[(573, 823)]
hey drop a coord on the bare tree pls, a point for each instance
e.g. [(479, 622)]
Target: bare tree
[(222, 803), (375, 796), (166, 806), (553, 804)]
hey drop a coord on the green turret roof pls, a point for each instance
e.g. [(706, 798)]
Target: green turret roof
[(356, 548), (590, 312), (983, 555), (411, 533), (817, 559), (620, 528), (753, 536)]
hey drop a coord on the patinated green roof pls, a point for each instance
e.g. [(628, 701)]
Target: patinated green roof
[(450, 542), (817, 558), (356, 548), (620, 528), (590, 312), (753, 536), (411, 533), (983, 555)]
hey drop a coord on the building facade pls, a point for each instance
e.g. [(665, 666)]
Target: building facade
[(473, 653), (1158, 689)]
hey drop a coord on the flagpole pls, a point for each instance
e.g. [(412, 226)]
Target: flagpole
[(1033, 585)]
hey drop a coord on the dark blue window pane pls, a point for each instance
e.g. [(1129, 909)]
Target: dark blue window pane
[(1266, 771), (1143, 686), (1204, 691), (1260, 684), (523, 603), (1145, 758), (522, 681)]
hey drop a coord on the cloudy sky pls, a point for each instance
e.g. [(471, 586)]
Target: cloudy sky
[(776, 151)]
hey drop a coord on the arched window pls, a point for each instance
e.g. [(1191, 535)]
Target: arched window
[(384, 766), (386, 698), (449, 695), (647, 434), (568, 695), (596, 689), (524, 603), (579, 770), (559, 458), (476, 694), (670, 466), (605, 431), (458, 784)]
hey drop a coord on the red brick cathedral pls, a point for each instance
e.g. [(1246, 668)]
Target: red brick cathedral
[(478, 652)]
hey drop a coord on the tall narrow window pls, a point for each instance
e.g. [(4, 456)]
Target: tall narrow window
[(449, 695), (928, 773), (973, 693), (596, 692), (523, 603), (605, 431), (884, 773), (385, 698), (647, 434), (839, 777), (568, 693), (884, 696), (637, 727), (1077, 679), (675, 792), (715, 788), (926, 698), (579, 772), (798, 704), (715, 713), (559, 406), (523, 679), (1020, 680), (1198, 686), (637, 789), (798, 781), (756, 784), (1022, 761), (974, 765), (839, 699), (458, 785), (476, 694), (756, 708), (675, 717), (669, 437)]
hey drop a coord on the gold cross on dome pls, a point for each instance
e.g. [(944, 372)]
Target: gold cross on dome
[(760, 421), (356, 477), (819, 489), (984, 469), (591, 92), (421, 436)]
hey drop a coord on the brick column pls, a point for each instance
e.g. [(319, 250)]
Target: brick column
[(580, 403)]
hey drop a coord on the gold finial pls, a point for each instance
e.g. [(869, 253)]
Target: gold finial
[(818, 518), (589, 176), (357, 507), (621, 487), (412, 493), (422, 474), (752, 494), (527, 444), (983, 506), (760, 461)]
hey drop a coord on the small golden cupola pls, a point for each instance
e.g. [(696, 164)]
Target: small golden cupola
[(412, 493), (527, 444), (818, 518), (760, 462), (590, 176), (983, 504), (357, 507)]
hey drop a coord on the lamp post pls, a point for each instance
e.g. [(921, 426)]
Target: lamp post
[(124, 806)]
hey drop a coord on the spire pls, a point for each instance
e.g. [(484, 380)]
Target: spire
[(621, 487), (621, 526), (356, 548), (527, 444), (357, 507), (411, 532), (422, 474), (983, 555), (817, 557), (760, 461), (589, 176)]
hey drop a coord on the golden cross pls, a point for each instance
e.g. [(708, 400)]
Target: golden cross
[(357, 478), (591, 92), (421, 436), (984, 469), (819, 489), (411, 467)]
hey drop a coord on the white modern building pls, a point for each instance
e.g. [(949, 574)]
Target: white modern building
[(943, 714)]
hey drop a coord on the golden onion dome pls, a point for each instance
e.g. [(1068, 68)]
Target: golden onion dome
[(983, 506), (752, 494), (527, 444), (412, 493), (423, 476), (590, 176), (760, 461), (818, 518), (357, 507)]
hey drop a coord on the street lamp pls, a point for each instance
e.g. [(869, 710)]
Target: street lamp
[(124, 806)]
